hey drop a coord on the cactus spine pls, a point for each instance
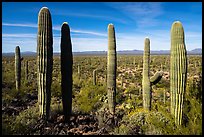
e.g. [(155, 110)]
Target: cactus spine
[(18, 67), (94, 77), (44, 61), (178, 70), (111, 69), (146, 80), (66, 70)]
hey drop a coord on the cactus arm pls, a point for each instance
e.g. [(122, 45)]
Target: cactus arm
[(66, 70), (156, 78)]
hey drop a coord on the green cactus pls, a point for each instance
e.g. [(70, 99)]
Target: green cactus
[(146, 80), (26, 70), (94, 77), (66, 70), (18, 67), (164, 95), (44, 61), (79, 70), (121, 81), (111, 69), (156, 78), (178, 70)]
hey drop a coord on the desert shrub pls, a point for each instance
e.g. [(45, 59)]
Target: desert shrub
[(88, 98), (21, 124)]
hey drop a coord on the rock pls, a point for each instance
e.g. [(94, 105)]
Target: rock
[(60, 119), (62, 132)]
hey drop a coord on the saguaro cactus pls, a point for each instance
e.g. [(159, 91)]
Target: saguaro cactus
[(26, 70), (146, 80), (111, 69), (44, 61), (79, 70), (66, 70), (94, 77), (18, 67), (178, 70)]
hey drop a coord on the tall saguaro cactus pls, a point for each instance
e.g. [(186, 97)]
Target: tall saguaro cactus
[(18, 67), (94, 77), (66, 70), (178, 70), (111, 69), (44, 61), (146, 80), (26, 70)]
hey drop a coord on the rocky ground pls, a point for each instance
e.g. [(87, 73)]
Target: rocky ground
[(80, 124)]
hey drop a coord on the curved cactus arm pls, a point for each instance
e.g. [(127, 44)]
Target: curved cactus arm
[(156, 78)]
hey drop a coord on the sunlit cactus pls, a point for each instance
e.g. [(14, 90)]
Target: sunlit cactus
[(66, 70), (111, 69), (178, 70), (78, 70), (146, 80), (18, 67), (44, 61)]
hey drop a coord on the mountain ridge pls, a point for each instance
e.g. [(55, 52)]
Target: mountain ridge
[(197, 51)]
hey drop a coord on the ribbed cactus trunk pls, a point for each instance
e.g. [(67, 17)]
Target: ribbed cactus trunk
[(145, 79), (26, 70), (147, 82), (44, 61), (66, 70), (94, 77), (111, 69), (18, 67), (178, 70)]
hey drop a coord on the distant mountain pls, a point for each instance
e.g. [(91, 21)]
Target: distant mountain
[(197, 51)]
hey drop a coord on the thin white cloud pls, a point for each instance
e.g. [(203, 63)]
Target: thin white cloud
[(57, 28), (19, 35), (20, 25)]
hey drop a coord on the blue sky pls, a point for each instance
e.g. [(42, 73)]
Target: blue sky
[(88, 22)]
